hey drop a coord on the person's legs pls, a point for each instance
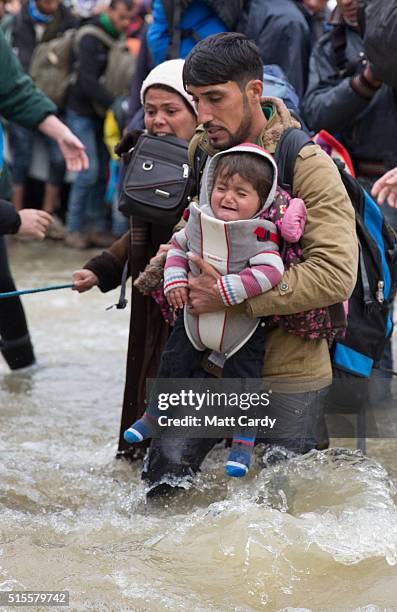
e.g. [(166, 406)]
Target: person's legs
[(85, 182), (173, 458), (15, 344), (247, 363), (56, 175), (297, 419), (96, 207), (179, 360), (21, 145)]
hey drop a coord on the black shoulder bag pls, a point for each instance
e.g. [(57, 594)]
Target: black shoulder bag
[(157, 181)]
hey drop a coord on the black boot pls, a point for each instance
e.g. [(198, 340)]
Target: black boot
[(18, 353)]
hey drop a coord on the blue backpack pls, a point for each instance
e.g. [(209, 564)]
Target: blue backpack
[(369, 323)]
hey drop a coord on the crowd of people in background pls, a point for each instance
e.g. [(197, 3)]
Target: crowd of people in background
[(84, 208)]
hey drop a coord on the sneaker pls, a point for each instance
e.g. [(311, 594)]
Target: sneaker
[(100, 239), (57, 230), (76, 240)]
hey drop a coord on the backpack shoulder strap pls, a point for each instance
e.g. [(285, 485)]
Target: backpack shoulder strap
[(97, 32), (174, 47), (287, 150), (52, 28), (197, 158)]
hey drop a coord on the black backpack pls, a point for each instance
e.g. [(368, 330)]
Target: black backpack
[(368, 323)]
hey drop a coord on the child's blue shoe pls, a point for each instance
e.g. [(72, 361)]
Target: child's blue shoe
[(238, 464), (140, 430)]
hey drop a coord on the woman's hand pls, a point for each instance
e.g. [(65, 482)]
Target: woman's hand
[(83, 280)]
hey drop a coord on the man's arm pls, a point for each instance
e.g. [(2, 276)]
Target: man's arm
[(10, 220), (28, 222), (332, 103), (24, 104), (20, 100)]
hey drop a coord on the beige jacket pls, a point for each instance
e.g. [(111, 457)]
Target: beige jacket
[(327, 275)]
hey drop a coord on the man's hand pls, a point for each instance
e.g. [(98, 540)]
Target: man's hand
[(34, 223), (177, 298), (83, 280), (368, 74), (204, 294), (386, 188)]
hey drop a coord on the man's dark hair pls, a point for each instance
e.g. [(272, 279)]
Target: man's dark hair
[(223, 57), (127, 3), (252, 168)]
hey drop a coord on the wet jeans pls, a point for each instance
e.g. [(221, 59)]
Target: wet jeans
[(86, 206), (299, 415)]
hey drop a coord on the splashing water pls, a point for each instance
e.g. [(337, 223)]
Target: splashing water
[(318, 532)]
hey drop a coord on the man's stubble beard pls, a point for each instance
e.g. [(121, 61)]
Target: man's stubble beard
[(244, 128)]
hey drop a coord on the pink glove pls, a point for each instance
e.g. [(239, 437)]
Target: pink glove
[(294, 220)]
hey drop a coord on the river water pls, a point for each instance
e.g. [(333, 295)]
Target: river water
[(316, 534)]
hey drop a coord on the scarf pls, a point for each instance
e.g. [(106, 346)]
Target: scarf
[(36, 15)]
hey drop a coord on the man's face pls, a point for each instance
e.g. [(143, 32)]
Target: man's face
[(120, 16), (48, 7), (349, 10), (224, 112)]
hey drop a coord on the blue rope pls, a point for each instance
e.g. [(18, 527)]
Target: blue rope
[(25, 291)]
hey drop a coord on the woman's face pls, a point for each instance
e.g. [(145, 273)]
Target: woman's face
[(166, 113)]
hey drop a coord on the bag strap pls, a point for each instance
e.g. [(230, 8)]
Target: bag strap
[(200, 160), (51, 31), (287, 150), (122, 303), (174, 47)]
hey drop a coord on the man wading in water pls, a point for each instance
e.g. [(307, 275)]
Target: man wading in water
[(223, 73)]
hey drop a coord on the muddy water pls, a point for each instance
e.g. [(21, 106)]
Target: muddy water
[(318, 533)]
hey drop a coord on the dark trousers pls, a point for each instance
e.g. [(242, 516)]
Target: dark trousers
[(15, 342), (298, 414)]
